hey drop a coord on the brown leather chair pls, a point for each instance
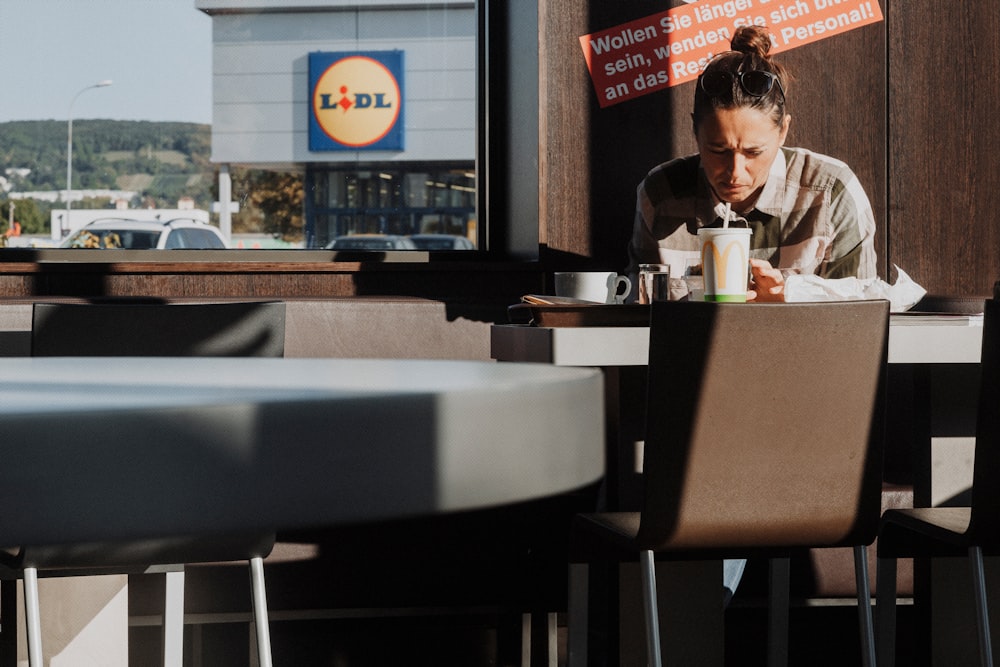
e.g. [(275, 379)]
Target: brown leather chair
[(764, 437), (952, 531), (152, 328)]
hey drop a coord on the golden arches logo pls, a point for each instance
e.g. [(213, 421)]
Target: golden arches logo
[(356, 101), (721, 264)]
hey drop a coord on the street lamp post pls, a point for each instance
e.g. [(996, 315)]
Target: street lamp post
[(64, 228)]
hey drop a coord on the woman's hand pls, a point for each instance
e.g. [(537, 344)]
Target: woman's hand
[(766, 282)]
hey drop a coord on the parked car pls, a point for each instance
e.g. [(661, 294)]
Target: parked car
[(180, 233), (442, 242), (371, 242)]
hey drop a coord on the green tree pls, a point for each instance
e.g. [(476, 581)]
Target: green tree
[(26, 212), (160, 161), (275, 203), (99, 150)]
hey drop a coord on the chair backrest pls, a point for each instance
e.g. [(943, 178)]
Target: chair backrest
[(234, 329), (155, 329), (986, 467), (764, 425)]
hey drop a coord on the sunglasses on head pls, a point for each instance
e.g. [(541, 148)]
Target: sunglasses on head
[(755, 82)]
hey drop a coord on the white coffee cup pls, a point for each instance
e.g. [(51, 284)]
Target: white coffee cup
[(596, 286)]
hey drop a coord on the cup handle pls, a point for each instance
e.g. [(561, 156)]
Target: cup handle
[(619, 281)]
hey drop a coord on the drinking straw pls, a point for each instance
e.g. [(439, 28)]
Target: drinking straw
[(725, 221)]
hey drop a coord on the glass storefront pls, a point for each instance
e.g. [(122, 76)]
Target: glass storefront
[(398, 200)]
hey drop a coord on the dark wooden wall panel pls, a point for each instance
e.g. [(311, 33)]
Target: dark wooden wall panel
[(944, 87), (563, 154), (591, 158)]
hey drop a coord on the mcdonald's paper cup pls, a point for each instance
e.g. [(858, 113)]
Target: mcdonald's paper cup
[(725, 255)]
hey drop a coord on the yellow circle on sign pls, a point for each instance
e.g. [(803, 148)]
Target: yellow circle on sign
[(356, 101)]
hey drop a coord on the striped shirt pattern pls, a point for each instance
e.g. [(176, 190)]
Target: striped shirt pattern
[(812, 215)]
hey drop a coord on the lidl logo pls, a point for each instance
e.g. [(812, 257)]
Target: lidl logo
[(356, 101)]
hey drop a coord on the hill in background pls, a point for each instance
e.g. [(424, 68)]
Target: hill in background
[(161, 161)]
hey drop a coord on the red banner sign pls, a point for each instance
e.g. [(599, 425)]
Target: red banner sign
[(669, 48)]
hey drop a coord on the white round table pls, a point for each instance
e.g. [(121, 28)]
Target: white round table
[(98, 449)]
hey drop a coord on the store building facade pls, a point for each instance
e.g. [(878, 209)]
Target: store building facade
[(374, 103)]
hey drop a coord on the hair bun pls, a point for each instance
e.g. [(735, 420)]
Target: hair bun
[(752, 40)]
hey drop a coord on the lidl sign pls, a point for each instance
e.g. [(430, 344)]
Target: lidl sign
[(356, 100)]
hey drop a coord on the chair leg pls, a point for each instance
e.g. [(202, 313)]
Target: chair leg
[(885, 597), (864, 605), (577, 618), (982, 611), (32, 617), (526, 623), (648, 567), (538, 640), (552, 638), (779, 577), (173, 618), (260, 611)]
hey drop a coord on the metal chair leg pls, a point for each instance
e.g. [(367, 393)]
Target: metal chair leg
[(779, 582), (552, 638), (526, 623), (173, 618), (577, 618), (648, 568), (982, 610), (32, 617), (885, 600), (864, 605), (260, 611), (539, 643)]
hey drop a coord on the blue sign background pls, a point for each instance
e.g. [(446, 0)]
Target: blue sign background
[(319, 62)]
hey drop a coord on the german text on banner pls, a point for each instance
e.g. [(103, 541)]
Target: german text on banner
[(672, 47)]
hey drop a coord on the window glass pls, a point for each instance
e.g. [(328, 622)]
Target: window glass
[(329, 120), (129, 239), (355, 119), (194, 239), (394, 200)]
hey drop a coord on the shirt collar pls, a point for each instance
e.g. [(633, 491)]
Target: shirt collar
[(771, 196)]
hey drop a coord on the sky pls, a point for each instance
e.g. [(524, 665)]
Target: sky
[(157, 53)]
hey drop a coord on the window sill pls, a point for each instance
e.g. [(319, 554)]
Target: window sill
[(248, 261)]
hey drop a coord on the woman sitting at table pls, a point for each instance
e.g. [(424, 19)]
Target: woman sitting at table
[(808, 212)]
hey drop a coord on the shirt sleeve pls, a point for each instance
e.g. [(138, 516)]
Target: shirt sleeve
[(852, 252)]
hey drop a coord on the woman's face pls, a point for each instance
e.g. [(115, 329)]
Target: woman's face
[(737, 148)]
